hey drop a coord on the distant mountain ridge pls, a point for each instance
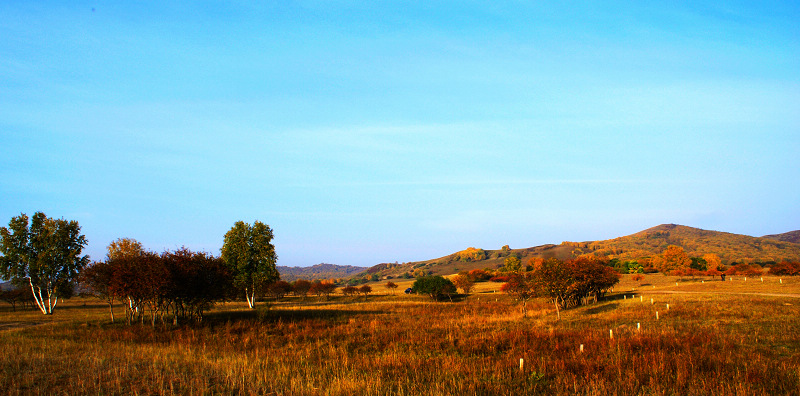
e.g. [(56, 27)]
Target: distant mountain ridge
[(318, 271)]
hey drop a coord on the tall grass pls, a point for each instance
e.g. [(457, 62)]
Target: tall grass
[(704, 344)]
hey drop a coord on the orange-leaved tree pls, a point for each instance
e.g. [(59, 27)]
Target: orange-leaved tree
[(521, 287), (365, 290), (673, 258), (464, 283)]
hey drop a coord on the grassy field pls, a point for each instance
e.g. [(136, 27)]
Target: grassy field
[(726, 338)]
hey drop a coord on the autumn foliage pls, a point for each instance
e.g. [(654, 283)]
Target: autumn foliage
[(785, 268), (672, 259), (470, 254), (322, 288), (463, 282), (179, 284), (567, 284)]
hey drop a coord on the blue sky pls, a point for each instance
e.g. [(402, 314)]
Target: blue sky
[(382, 131)]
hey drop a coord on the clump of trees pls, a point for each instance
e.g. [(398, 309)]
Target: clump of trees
[(744, 269), (470, 254), (301, 287), (349, 290), (566, 283), (18, 295), (479, 275), (322, 288), (279, 289), (179, 284), (785, 268)]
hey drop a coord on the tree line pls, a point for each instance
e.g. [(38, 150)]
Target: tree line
[(44, 254)]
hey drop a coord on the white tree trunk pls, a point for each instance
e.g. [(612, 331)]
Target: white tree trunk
[(37, 296), (558, 311), (55, 302), (250, 296)]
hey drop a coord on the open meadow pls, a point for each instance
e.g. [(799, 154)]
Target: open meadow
[(726, 338)]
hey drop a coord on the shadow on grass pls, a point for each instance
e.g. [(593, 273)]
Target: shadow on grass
[(601, 309), (85, 305), (285, 315)]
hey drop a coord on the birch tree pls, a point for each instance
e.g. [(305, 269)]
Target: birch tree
[(45, 254), (249, 254)]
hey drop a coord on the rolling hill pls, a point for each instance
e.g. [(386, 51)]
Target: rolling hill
[(696, 242), (642, 245), (791, 236)]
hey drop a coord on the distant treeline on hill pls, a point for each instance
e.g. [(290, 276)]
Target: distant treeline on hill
[(319, 271)]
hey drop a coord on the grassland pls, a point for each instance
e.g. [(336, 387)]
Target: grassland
[(715, 338)]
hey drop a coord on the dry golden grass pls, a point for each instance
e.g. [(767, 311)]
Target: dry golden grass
[(706, 343)]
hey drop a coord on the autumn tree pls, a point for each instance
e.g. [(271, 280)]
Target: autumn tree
[(391, 286), (534, 263), (152, 285), (592, 278), (365, 290), (322, 288), (673, 258), (714, 265), (521, 287), (195, 281), (553, 279), (479, 275), (349, 290), (97, 279), (278, 289), (512, 263), (463, 282), (301, 287), (136, 279), (124, 247), (45, 254), (249, 254)]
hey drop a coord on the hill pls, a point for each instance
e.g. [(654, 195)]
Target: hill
[(791, 236), (642, 245), (319, 271), (695, 242)]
